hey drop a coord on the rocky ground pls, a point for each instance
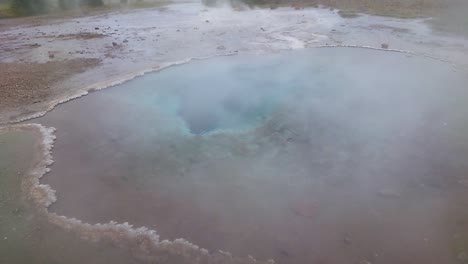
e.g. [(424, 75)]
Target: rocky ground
[(49, 59), (26, 84), (55, 58)]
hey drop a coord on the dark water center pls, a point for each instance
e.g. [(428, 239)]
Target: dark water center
[(334, 155)]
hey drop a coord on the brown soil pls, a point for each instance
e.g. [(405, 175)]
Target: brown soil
[(81, 35), (349, 8), (30, 83)]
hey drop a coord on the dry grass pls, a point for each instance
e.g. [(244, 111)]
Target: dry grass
[(394, 8), (5, 11)]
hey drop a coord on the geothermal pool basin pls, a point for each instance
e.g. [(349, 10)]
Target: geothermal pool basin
[(330, 155)]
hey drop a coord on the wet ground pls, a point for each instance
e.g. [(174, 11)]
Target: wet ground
[(329, 155), (374, 175), (26, 235), (128, 43)]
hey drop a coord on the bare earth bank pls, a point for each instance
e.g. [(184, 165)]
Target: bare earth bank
[(53, 60)]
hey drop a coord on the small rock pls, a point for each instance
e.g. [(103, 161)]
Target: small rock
[(125, 40), (221, 48), (262, 29), (207, 21), (114, 44), (178, 30), (96, 28), (384, 46), (51, 55)]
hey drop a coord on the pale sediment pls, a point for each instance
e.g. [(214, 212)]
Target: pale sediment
[(143, 243), (104, 85), (131, 76), (256, 30)]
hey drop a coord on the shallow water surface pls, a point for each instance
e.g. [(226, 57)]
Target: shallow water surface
[(25, 234), (333, 155)]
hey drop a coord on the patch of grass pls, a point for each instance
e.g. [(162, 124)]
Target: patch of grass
[(5, 11), (17, 8), (348, 14), (449, 15), (138, 4), (393, 8)]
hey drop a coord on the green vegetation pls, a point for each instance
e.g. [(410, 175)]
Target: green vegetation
[(16, 8), (71, 4), (350, 8), (34, 7), (398, 8), (5, 10), (28, 7)]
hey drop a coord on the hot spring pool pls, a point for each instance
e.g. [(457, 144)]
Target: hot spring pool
[(333, 155)]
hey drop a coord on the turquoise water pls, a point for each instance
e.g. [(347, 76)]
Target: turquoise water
[(280, 156), (214, 97)]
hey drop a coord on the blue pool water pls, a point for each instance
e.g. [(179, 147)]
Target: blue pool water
[(279, 156)]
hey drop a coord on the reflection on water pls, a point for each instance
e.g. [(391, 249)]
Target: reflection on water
[(316, 156)]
